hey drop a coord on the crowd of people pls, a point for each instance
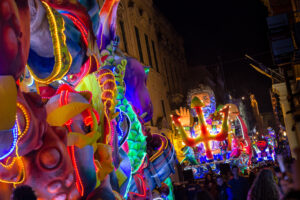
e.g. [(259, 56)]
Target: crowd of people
[(279, 180), (267, 181)]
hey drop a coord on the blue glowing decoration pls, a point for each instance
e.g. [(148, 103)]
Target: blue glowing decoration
[(5, 139), (207, 110), (122, 134)]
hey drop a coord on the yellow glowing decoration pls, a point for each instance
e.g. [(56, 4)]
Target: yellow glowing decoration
[(27, 121), (8, 96), (16, 160), (205, 137), (63, 58), (163, 147)]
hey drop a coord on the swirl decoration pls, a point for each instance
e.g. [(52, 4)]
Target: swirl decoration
[(5, 134), (205, 136), (107, 83), (136, 139), (11, 160)]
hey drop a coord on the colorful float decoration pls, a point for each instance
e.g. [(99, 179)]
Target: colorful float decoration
[(265, 146), (207, 135), (72, 121)]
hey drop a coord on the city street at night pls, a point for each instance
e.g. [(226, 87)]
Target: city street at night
[(149, 100)]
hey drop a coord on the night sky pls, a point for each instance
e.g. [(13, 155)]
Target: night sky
[(228, 29)]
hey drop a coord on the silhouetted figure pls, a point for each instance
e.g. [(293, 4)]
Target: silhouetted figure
[(23, 192), (239, 185), (210, 184), (264, 187), (251, 177), (192, 190), (204, 195), (224, 191)]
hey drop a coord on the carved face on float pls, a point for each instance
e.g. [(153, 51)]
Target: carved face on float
[(204, 97), (136, 89), (14, 36), (45, 164), (31, 116), (49, 171), (30, 131), (72, 109)]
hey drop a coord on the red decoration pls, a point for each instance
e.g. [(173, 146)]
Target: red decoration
[(262, 145)]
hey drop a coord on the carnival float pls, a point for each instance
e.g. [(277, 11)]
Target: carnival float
[(206, 135), (73, 107)]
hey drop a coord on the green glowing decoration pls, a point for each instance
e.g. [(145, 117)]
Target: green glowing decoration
[(168, 181), (136, 139)]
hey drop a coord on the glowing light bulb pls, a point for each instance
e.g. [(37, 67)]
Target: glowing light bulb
[(284, 133)]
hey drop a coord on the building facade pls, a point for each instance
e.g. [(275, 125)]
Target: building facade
[(146, 35), (284, 35)]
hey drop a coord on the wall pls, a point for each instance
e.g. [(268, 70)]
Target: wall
[(165, 53)]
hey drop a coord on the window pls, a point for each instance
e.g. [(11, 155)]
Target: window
[(155, 58), (148, 50), (123, 36), (139, 43), (172, 77), (167, 75), (163, 108), (176, 75)]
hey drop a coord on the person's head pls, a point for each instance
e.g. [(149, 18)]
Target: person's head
[(208, 177), (235, 170), (264, 186), (278, 172), (286, 183), (220, 180), (23, 192)]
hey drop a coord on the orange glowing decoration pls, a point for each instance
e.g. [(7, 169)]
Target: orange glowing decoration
[(205, 135), (108, 86), (27, 121)]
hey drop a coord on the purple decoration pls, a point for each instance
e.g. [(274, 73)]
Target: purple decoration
[(136, 89), (8, 141), (107, 27)]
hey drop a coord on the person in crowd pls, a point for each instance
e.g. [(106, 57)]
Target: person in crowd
[(286, 183), (23, 192), (224, 191), (192, 190), (179, 191), (210, 184), (211, 172), (204, 195), (227, 176), (264, 187), (239, 185), (278, 174), (251, 177)]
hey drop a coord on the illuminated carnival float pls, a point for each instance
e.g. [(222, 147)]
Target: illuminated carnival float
[(264, 146), (206, 135), (73, 107), (264, 140)]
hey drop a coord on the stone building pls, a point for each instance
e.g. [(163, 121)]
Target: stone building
[(284, 36), (146, 35)]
